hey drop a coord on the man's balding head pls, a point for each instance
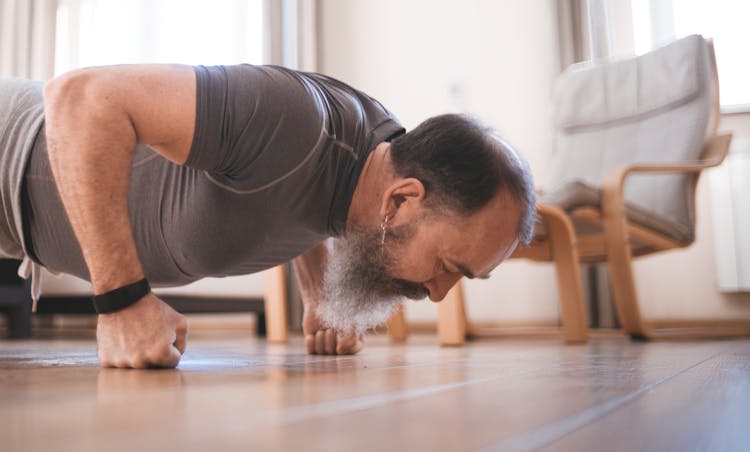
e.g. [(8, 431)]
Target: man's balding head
[(463, 165)]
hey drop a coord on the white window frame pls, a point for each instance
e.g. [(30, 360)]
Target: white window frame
[(654, 25)]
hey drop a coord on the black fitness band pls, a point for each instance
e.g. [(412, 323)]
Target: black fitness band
[(121, 298)]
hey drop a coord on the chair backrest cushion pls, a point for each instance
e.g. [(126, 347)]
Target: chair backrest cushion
[(654, 108)]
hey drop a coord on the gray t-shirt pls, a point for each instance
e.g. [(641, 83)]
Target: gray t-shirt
[(21, 116), (273, 166)]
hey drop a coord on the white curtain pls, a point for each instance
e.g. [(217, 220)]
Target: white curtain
[(27, 38), (291, 28), (572, 31)]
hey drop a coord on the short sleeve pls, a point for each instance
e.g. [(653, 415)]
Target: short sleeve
[(246, 116)]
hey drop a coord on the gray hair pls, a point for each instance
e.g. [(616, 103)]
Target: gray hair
[(463, 165), (517, 179)]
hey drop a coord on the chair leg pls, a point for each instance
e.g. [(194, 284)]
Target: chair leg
[(628, 310), (397, 325), (452, 318), (623, 283), (275, 305), (568, 271)]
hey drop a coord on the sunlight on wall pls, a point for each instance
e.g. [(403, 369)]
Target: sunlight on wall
[(100, 32)]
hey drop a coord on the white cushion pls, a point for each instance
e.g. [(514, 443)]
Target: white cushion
[(588, 95), (655, 108)]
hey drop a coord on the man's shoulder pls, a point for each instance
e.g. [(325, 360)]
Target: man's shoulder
[(255, 124), (356, 118)]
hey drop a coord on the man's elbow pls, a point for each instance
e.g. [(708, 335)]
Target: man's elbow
[(82, 103), (67, 90)]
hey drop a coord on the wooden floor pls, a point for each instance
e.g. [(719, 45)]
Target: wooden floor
[(502, 394)]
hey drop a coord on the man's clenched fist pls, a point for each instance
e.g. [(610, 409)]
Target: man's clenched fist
[(326, 341), (146, 334)]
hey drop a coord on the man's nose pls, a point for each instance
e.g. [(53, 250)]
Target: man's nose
[(440, 285)]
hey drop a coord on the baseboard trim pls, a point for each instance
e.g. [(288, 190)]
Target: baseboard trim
[(664, 328), (667, 323)]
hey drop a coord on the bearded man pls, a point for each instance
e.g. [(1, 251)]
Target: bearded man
[(132, 176)]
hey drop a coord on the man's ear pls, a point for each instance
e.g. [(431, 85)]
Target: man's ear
[(405, 196)]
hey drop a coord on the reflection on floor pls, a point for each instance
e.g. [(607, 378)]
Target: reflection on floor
[(508, 394)]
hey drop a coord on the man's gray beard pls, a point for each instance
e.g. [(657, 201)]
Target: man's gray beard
[(360, 292)]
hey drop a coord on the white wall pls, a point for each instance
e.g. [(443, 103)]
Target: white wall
[(495, 59)]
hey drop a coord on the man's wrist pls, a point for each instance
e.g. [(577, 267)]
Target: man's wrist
[(122, 297), (114, 266)]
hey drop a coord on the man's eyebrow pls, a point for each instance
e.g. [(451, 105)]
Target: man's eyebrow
[(466, 272)]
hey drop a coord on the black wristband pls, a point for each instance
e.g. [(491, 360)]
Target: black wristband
[(121, 298)]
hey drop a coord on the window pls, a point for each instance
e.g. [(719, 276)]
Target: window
[(100, 32), (726, 21)]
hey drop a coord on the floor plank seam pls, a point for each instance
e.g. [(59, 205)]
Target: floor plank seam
[(547, 434), (304, 413)]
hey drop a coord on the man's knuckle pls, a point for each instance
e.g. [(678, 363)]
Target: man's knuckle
[(158, 354), (139, 363), (106, 362)]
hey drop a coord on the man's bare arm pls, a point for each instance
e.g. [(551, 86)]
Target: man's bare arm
[(310, 269), (94, 119)]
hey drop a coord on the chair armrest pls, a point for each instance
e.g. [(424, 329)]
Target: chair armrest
[(613, 201)]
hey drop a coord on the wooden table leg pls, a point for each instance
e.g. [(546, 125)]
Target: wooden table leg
[(275, 305), (397, 325), (452, 318)]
